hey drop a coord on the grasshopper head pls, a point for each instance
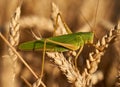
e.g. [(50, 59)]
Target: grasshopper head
[(89, 37)]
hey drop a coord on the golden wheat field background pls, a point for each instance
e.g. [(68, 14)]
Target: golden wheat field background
[(95, 68)]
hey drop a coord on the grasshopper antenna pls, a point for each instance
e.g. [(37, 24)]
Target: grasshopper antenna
[(86, 20), (94, 25), (96, 12)]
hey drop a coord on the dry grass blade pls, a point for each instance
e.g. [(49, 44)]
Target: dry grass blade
[(26, 81), (23, 61), (38, 83)]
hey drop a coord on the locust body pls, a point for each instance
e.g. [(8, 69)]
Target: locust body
[(61, 43), (67, 42)]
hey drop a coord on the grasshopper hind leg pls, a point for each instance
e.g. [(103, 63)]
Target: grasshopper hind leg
[(76, 57), (43, 59)]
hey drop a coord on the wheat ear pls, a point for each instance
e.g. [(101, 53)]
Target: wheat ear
[(67, 67), (9, 57), (13, 41), (14, 33), (95, 57)]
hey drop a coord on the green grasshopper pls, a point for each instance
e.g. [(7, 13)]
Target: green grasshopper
[(62, 43)]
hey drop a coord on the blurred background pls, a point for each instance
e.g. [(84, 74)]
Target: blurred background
[(36, 14)]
